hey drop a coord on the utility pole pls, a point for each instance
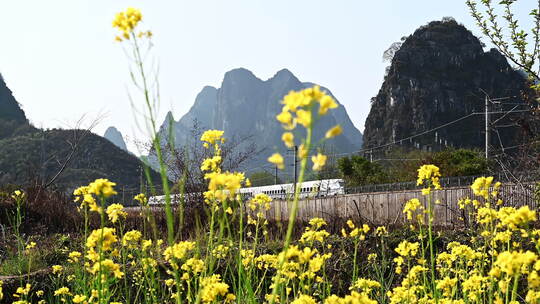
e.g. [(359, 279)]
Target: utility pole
[(487, 127), (140, 180), (275, 176), (295, 165), (489, 100)]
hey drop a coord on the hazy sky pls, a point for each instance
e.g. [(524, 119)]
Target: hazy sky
[(59, 58)]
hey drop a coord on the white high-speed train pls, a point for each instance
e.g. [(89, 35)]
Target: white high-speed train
[(318, 188)]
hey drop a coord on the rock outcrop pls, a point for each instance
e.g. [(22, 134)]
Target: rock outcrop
[(246, 106), (114, 136), (9, 107), (12, 118), (441, 74)]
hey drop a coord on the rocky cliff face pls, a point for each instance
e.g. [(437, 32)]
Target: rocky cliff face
[(9, 107), (114, 136), (440, 74), (12, 118), (245, 106)]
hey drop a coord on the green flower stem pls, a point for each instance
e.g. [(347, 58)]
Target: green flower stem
[(294, 210), (431, 250), (156, 141)]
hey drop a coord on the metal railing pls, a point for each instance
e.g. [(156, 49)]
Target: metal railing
[(446, 182)]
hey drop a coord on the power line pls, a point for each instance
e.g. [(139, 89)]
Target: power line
[(516, 146), (427, 131)]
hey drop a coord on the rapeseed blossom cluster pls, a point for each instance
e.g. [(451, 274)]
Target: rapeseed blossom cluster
[(92, 196), (356, 232), (304, 107), (102, 187), (221, 185), (313, 233), (428, 175), (213, 288), (411, 207), (178, 251), (126, 22), (115, 211)]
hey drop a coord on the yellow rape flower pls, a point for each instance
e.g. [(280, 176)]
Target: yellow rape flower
[(220, 251), (261, 201), (302, 151), (211, 164), (512, 218), (365, 285), (304, 299), (79, 192), (407, 249), (381, 230), (318, 161), (107, 265), (178, 251), (212, 288), (114, 211), (277, 160), (102, 187), (126, 22), (286, 119), (18, 195), (131, 238), (141, 198), (317, 222), (193, 265), (326, 103), (288, 139), (74, 256), (295, 100), (481, 186), (303, 117), (411, 206), (213, 136), (23, 290), (486, 215), (223, 185), (333, 132), (61, 291), (429, 173), (515, 262), (313, 235), (57, 269), (95, 238), (79, 299)]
